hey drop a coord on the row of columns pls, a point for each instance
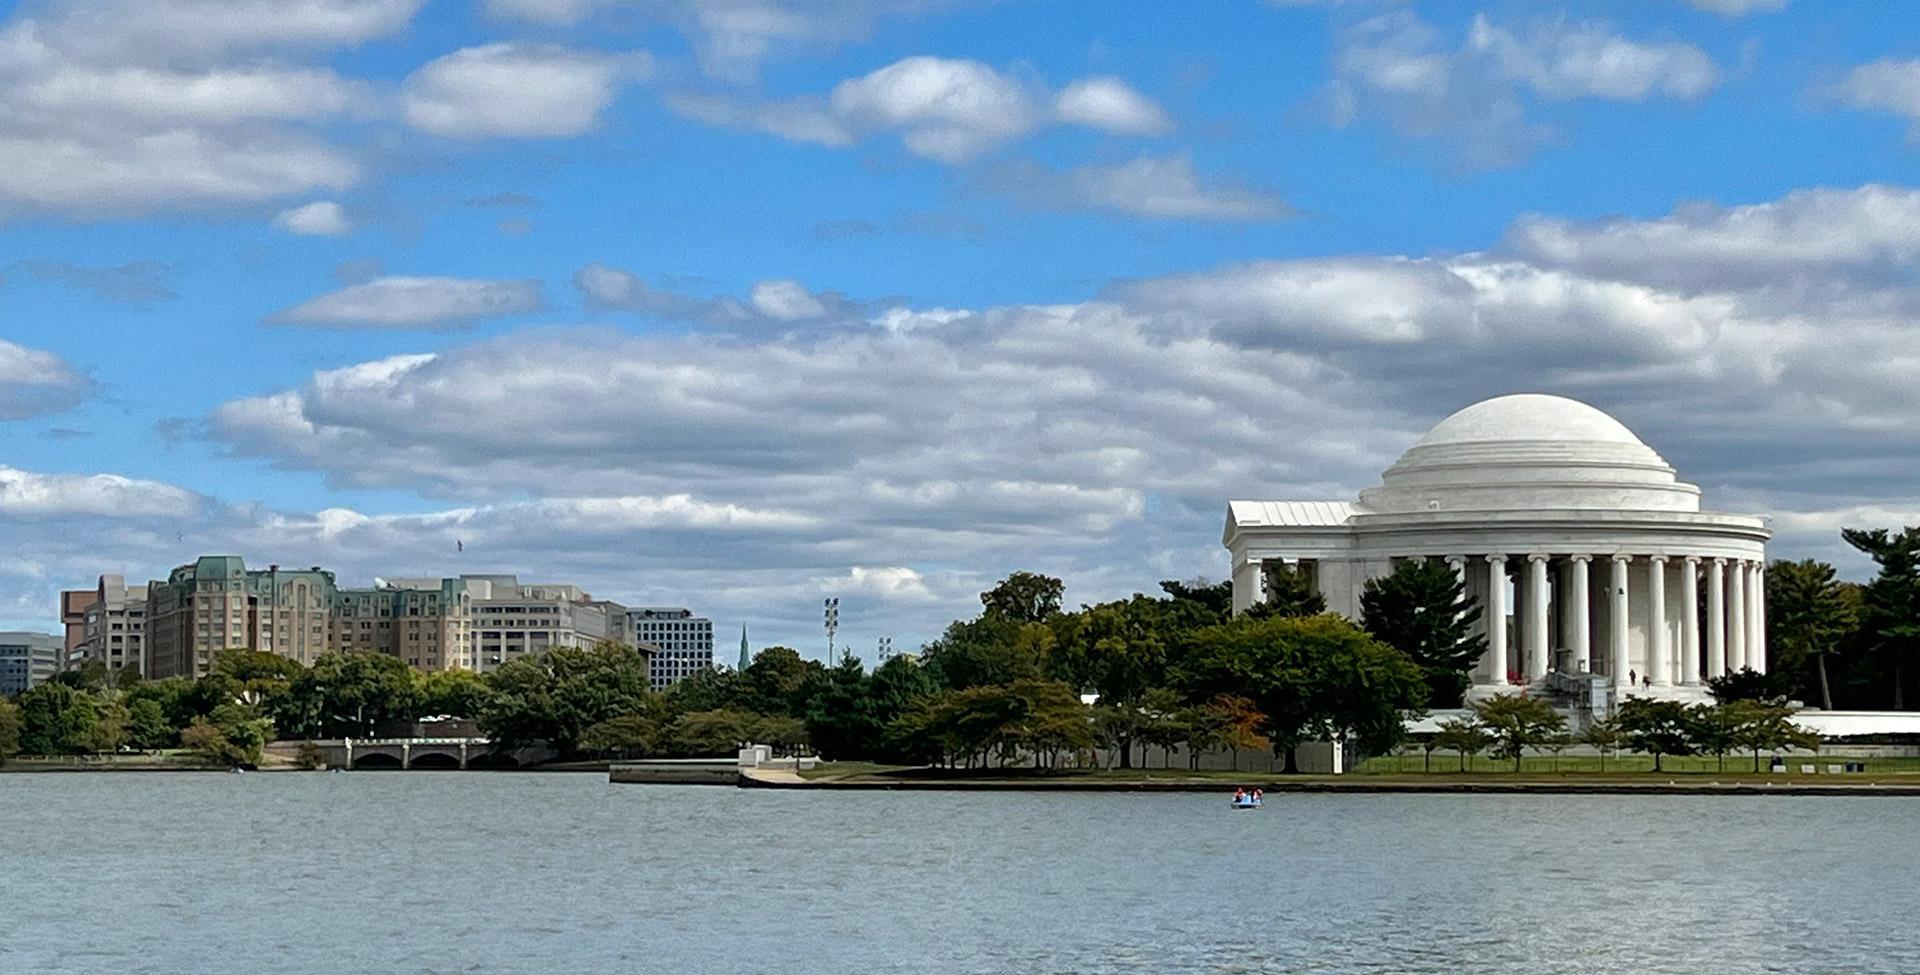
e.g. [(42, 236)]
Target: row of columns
[(1735, 622)]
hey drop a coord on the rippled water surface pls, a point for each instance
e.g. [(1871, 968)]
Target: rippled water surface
[(476, 872)]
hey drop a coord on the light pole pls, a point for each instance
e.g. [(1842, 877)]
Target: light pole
[(833, 625), (886, 649)]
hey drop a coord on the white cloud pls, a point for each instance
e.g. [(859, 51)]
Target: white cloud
[(1738, 8), (1110, 105), (1887, 85), (1479, 98), (770, 304), (25, 494), (732, 38), (118, 107), (529, 91), (951, 110), (1561, 61), (1150, 187), (1826, 234), (945, 109), (786, 301), (409, 302), (34, 382), (321, 218)]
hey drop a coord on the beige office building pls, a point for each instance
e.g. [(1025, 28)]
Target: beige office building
[(113, 627)]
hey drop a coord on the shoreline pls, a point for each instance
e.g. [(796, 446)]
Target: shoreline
[(1356, 785)]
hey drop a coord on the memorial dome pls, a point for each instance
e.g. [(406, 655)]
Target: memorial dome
[(1530, 451)]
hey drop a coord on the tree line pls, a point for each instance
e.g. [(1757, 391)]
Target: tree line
[(1506, 726), (1845, 644)]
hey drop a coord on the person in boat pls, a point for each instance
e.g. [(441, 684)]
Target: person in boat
[(1256, 796), (1239, 795)]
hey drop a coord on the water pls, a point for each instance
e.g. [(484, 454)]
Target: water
[(464, 873)]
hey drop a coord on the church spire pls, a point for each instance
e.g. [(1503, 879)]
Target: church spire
[(745, 658)]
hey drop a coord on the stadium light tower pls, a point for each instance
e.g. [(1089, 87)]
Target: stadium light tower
[(833, 625)]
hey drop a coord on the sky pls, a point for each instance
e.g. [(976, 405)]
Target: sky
[(744, 304)]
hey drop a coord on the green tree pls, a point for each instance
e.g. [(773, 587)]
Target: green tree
[(557, 695), (1051, 720), (1118, 651), (1605, 737), (1024, 597), (1746, 684), (91, 675), (233, 735), (1759, 727), (454, 693), (991, 650), (1314, 677), (1212, 600), (703, 733), (348, 694), (1289, 593), (843, 721), (708, 690), (1657, 728), (1515, 722), (1891, 602), (632, 735), (109, 728), (1715, 728), (1465, 737), (897, 686), (147, 725), (1810, 614), (1162, 725), (55, 719), (1422, 609), (256, 677), (9, 730), (779, 681), (786, 734)]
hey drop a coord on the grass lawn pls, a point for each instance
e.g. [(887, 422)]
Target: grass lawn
[(1448, 763)]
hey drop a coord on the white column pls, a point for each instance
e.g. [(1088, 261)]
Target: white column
[(1757, 610), (1538, 645), (1659, 664), (1736, 617), (1582, 617), (1689, 622), (1617, 622), (1496, 614), (1716, 618)]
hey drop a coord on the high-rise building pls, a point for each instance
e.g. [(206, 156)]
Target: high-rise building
[(683, 642), (73, 618), (511, 620), (215, 603), (115, 627), (27, 659)]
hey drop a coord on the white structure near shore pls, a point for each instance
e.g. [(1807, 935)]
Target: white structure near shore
[(1586, 553)]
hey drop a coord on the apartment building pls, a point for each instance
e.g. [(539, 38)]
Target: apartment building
[(424, 622), (217, 603), (683, 642), (113, 627), (27, 660)]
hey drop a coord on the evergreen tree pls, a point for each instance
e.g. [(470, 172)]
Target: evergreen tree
[(842, 721), (1289, 593), (1422, 609), (1809, 615), (1892, 599)]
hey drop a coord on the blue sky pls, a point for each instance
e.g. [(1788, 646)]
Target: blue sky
[(741, 303)]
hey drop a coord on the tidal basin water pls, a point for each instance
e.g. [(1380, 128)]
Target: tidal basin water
[(369, 872)]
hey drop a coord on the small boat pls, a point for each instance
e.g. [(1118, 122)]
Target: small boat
[(1247, 802)]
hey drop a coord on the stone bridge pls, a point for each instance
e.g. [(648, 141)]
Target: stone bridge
[(421, 753)]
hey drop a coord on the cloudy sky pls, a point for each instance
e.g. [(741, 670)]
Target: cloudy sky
[(739, 304)]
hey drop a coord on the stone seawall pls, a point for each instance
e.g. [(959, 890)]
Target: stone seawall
[(718, 772)]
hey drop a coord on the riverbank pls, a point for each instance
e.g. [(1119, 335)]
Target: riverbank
[(1578, 783)]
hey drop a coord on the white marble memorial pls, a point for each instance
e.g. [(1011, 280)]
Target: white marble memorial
[(1581, 545)]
